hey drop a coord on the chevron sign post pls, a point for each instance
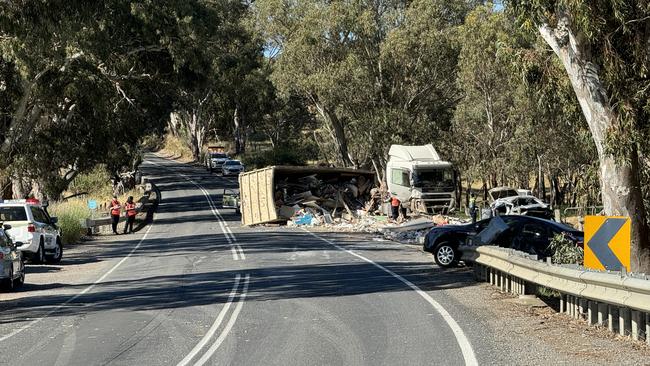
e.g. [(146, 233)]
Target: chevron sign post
[(607, 242)]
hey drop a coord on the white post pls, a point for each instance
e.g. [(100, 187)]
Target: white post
[(623, 321)]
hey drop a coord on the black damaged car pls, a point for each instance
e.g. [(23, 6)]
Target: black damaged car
[(528, 234)]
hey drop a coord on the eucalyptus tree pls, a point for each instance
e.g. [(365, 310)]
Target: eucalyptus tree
[(603, 48), (376, 72)]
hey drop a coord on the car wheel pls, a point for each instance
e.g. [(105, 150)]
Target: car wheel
[(446, 254), (21, 279), (39, 256), (8, 284), (58, 252)]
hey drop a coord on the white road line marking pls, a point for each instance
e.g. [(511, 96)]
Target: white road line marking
[(217, 322), (85, 291), (233, 318), (237, 252), (463, 342)]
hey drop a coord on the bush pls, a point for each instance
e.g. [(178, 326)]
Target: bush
[(95, 182), (277, 156), (69, 214), (566, 251)]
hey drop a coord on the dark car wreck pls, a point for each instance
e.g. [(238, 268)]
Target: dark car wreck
[(528, 234)]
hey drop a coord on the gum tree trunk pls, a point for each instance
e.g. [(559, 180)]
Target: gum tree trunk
[(620, 184)]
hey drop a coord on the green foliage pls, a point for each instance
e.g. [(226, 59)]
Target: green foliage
[(566, 251), (95, 182), (70, 214), (375, 74), (282, 155)]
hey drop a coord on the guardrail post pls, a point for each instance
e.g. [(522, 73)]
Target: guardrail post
[(610, 318), (623, 320), (591, 312), (636, 325), (602, 310), (562, 304), (576, 307), (647, 328), (491, 272), (582, 307)]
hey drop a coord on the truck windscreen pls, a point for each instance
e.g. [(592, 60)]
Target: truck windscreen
[(437, 178)]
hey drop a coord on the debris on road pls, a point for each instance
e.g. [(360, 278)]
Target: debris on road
[(307, 195)]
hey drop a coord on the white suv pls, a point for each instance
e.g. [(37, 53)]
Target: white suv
[(33, 230)]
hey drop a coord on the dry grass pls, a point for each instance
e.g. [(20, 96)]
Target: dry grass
[(176, 147)]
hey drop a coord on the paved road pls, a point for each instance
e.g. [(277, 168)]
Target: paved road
[(195, 288)]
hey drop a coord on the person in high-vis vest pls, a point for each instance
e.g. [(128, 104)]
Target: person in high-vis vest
[(129, 206), (115, 213), (394, 206)]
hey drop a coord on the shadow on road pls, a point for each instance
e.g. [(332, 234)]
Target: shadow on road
[(267, 283)]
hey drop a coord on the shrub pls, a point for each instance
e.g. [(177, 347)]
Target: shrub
[(566, 251), (277, 156), (95, 182), (69, 214)]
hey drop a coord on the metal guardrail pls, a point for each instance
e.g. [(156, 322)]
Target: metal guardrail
[(615, 300)]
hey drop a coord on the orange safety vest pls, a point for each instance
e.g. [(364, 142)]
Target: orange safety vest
[(394, 202), (130, 209), (115, 208)]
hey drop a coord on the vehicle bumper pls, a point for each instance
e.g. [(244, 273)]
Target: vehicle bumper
[(30, 245)]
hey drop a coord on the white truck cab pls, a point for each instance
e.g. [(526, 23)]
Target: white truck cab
[(32, 230), (420, 179)]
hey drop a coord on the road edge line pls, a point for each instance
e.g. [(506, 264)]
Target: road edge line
[(83, 292), (461, 338)]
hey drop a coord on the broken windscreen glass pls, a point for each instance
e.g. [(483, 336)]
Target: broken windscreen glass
[(434, 178)]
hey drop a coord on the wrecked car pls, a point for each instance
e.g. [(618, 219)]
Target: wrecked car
[(531, 235), (508, 201)]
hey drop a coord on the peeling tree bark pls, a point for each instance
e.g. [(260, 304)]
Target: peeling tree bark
[(620, 184)]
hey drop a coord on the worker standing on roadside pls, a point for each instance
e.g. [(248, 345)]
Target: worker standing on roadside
[(473, 210), (129, 206), (394, 206), (115, 213)]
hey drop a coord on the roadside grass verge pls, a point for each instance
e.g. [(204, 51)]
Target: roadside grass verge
[(70, 213)]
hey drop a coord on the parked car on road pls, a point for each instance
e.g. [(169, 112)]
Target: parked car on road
[(232, 167), (215, 161), (12, 265), (528, 234), (34, 228)]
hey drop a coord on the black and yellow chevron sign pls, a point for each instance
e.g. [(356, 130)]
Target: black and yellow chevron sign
[(607, 242)]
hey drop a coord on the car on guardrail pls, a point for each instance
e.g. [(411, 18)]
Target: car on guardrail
[(32, 226), (12, 264), (525, 233)]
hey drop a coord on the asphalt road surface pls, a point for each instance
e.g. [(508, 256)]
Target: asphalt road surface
[(195, 288)]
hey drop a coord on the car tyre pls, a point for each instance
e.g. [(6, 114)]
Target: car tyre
[(39, 256), (446, 254), (18, 282), (8, 284), (58, 252)]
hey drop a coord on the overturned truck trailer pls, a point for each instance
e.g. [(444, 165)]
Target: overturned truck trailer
[(267, 193)]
